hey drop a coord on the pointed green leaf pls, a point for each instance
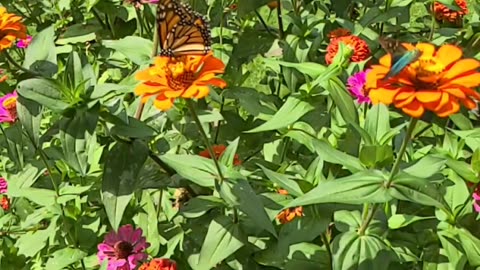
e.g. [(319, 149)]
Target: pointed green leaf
[(46, 92), (64, 257), (30, 115), (122, 166), (41, 56)]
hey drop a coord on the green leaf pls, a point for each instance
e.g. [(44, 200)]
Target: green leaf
[(223, 239), (239, 193), (73, 73), (426, 167), (284, 181), (45, 92), (122, 166), (332, 155), (228, 156), (463, 169), (198, 206), (359, 188), (30, 115), (399, 220), (307, 256), (198, 169), (134, 48), (79, 139), (450, 4), (475, 163), (376, 155), (64, 257), (353, 251), (343, 100), (471, 246), (309, 68), (377, 123), (40, 56), (453, 249), (134, 129), (293, 109), (24, 242), (418, 190), (247, 6)]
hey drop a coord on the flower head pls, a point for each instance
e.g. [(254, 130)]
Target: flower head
[(272, 4), (159, 264), (219, 149), (24, 43), (5, 203), (356, 87), (123, 249), (3, 185), (360, 48), (11, 28), (289, 214), (340, 32), (8, 108), (439, 81), (183, 77), (445, 14), (140, 3)]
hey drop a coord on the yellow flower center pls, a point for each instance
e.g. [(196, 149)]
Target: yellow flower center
[(428, 70), (178, 77), (10, 103)]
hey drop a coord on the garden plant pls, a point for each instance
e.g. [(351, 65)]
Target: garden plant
[(239, 134)]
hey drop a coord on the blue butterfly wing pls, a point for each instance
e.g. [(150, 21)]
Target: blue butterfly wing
[(405, 60)]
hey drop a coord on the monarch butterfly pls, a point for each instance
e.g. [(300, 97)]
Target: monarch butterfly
[(181, 30), (401, 58)]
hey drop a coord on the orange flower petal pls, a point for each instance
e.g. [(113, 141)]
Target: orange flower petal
[(414, 109), (452, 107), (382, 95), (457, 92), (427, 49), (460, 67), (471, 80), (448, 54), (163, 104), (469, 103), (426, 96), (443, 101), (386, 60)]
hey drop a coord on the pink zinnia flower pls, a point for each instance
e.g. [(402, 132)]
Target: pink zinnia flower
[(8, 108), (124, 249), (24, 43), (3, 185), (476, 199), (355, 85)]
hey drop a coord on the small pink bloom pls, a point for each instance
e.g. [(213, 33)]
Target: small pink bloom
[(140, 3), (355, 85), (24, 43), (8, 108), (123, 250), (3, 185), (476, 199)]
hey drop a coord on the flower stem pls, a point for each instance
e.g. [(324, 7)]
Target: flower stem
[(141, 105), (17, 65), (205, 138), (393, 172), (281, 32), (432, 26)]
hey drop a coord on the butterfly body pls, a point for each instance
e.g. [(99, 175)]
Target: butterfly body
[(181, 30), (401, 57)]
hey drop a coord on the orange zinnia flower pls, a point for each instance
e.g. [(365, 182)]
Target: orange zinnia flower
[(444, 14), (289, 214), (439, 81), (5, 203), (11, 28), (219, 149), (159, 264), (340, 32), (360, 48), (182, 77)]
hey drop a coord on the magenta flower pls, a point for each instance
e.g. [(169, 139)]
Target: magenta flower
[(124, 249), (24, 43), (8, 108), (355, 85), (476, 199), (3, 185)]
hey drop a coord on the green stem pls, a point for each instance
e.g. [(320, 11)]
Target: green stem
[(264, 23), (141, 105), (281, 32), (329, 250), (205, 138), (17, 65), (159, 209), (393, 172), (432, 26)]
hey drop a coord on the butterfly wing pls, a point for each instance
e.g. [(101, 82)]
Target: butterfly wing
[(401, 57), (181, 30)]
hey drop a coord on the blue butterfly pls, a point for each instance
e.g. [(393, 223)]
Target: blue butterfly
[(401, 58)]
